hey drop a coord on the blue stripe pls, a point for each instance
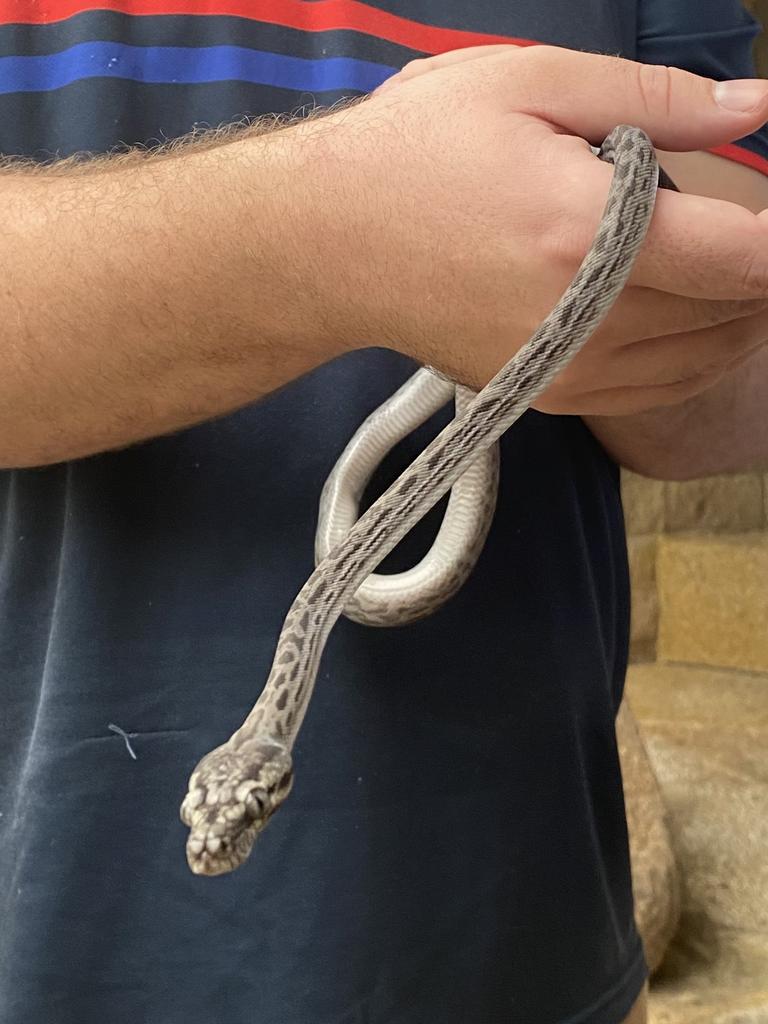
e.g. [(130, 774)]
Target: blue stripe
[(187, 65)]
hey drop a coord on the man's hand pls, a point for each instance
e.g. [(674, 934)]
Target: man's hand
[(725, 428), (471, 197)]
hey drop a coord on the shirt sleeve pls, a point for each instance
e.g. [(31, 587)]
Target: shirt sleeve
[(713, 38)]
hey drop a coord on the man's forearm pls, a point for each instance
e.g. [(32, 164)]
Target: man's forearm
[(142, 294), (722, 430)]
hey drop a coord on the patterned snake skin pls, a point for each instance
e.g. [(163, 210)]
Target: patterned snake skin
[(236, 787)]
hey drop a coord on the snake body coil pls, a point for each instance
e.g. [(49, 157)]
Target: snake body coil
[(235, 788)]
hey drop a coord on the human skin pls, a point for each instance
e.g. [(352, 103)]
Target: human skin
[(722, 424), (452, 210)]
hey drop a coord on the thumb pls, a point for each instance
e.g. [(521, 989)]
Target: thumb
[(589, 94)]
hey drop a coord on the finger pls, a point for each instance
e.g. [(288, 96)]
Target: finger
[(626, 400), (675, 358), (661, 371), (699, 247), (677, 109), (645, 313)]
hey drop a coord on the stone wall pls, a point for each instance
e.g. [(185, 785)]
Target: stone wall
[(760, 9), (698, 687), (722, 509), (708, 515)]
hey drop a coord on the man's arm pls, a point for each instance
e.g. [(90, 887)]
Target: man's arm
[(723, 429), (442, 219), (145, 292)]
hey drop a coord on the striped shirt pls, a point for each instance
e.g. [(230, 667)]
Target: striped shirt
[(454, 849)]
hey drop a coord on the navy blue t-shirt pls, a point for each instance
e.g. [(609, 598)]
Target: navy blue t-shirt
[(454, 849)]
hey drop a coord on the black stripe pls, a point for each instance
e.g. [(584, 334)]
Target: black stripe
[(183, 30), (98, 115)]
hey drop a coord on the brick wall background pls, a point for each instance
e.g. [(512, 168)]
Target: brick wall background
[(760, 9), (720, 511), (698, 687), (679, 535)]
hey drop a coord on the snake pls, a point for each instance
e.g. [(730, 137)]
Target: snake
[(236, 788), (395, 599)]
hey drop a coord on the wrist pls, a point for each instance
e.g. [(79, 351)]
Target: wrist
[(281, 217), (326, 200)]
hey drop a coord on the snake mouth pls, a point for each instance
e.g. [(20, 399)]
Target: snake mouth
[(208, 854), (205, 864)]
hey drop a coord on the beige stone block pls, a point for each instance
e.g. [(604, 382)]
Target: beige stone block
[(707, 735), (645, 609), (643, 502), (691, 696), (696, 987), (717, 504), (715, 787), (655, 878), (713, 600), (746, 1015), (730, 990)]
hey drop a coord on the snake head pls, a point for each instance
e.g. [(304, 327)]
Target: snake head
[(233, 793)]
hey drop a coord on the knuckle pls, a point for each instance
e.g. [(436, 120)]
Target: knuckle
[(654, 85), (541, 62), (695, 382), (563, 246), (544, 52), (755, 276), (748, 307), (567, 228), (409, 70), (710, 313), (567, 237)]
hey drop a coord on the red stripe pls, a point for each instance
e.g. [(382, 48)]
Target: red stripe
[(315, 16), (742, 156)]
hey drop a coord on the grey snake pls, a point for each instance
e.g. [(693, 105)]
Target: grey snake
[(235, 789)]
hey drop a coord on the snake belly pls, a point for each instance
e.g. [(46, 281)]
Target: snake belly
[(403, 597)]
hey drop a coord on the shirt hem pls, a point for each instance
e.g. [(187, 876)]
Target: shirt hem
[(614, 1005)]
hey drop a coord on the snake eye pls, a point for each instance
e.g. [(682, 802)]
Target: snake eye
[(255, 804)]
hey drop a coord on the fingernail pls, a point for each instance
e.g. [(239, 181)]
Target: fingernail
[(743, 94)]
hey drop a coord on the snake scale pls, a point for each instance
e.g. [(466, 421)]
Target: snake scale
[(235, 789)]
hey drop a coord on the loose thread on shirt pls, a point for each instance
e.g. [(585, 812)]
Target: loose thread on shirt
[(124, 734)]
